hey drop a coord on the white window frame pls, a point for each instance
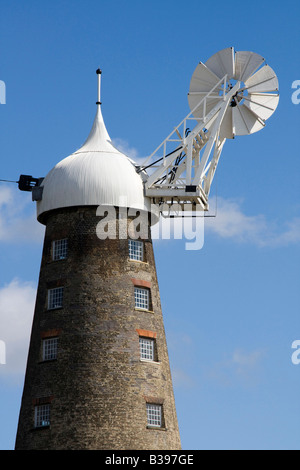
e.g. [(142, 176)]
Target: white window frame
[(136, 250), (141, 298), (55, 298), (59, 249), (42, 415), (50, 346), (147, 349), (154, 415)]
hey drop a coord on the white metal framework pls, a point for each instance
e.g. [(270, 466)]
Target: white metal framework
[(55, 298), (231, 94)]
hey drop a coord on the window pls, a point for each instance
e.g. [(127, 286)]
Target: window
[(147, 349), (50, 349), (141, 298), (42, 416), (136, 250), (59, 249), (154, 415), (55, 298)]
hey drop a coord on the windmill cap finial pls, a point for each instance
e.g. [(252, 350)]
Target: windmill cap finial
[(98, 72)]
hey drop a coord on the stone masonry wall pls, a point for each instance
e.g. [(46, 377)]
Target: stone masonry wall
[(97, 387)]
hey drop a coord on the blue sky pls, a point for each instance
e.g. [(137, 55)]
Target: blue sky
[(231, 309)]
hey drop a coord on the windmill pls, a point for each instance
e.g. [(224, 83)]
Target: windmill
[(98, 374), (232, 94)]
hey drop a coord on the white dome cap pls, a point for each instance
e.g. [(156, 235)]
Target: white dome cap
[(96, 174)]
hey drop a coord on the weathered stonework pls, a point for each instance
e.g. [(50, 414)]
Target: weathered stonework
[(97, 387)]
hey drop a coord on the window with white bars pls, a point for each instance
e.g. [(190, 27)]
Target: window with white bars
[(55, 298), (141, 298), (59, 249), (42, 416), (136, 250), (154, 415), (50, 349), (147, 349)]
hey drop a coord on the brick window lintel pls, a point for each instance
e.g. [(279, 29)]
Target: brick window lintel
[(154, 400), (50, 333), (146, 333), (56, 283), (141, 283), (42, 400)]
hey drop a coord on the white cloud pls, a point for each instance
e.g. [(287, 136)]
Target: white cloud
[(123, 146), (5, 196), (17, 301), (238, 367), (290, 235), (182, 350), (231, 223), (181, 379), (18, 222), (242, 360)]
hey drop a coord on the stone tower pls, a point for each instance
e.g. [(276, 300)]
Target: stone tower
[(98, 374)]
